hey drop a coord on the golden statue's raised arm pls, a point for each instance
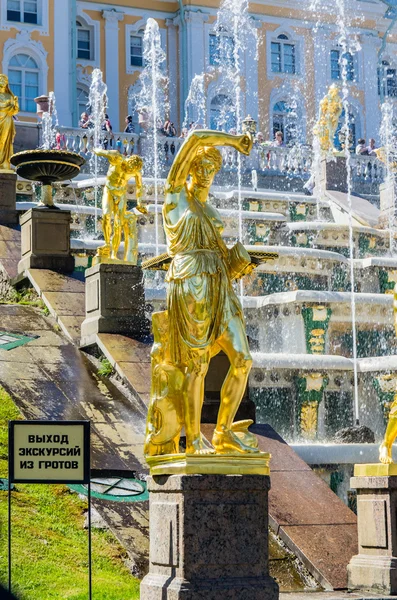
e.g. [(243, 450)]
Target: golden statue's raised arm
[(113, 156), (181, 167)]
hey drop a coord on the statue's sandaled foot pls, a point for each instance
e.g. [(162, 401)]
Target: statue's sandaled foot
[(385, 454), (227, 441), (199, 447)]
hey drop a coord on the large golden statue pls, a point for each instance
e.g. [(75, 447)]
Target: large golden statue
[(114, 207), (8, 108), (204, 315), (385, 450), (331, 107)]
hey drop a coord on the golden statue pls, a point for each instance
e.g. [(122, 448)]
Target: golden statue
[(204, 315), (385, 450), (331, 107), (114, 205), (9, 107)]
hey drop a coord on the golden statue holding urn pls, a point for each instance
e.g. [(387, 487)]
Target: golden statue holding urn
[(9, 107), (204, 314)]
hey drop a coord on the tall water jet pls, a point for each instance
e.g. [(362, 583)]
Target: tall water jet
[(49, 123), (195, 103), (153, 102), (388, 155), (98, 101)]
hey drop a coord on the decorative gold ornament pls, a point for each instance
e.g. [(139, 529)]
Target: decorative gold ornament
[(115, 217), (9, 107), (308, 420), (331, 107), (385, 450), (204, 316)]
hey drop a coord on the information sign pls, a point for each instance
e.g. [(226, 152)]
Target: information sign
[(49, 452)]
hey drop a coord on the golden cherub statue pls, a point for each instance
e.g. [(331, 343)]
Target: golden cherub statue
[(385, 450), (331, 107), (114, 207), (9, 107), (204, 315)]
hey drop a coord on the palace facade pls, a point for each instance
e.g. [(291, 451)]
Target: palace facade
[(55, 44)]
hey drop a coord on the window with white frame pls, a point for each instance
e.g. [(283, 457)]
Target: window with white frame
[(23, 75), (283, 55), (340, 135), (222, 113), (221, 49), (342, 61), (136, 49), (23, 11), (84, 41), (387, 78)]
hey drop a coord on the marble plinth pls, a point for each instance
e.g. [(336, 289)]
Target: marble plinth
[(8, 195), (374, 568), (45, 240), (115, 302), (209, 538), (333, 174)]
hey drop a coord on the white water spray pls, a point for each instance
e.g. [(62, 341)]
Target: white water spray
[(98, 102)]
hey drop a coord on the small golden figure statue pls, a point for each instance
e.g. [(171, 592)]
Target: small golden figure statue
[(385, 450), (114, 205), (331, 107), (9, 107), (204, 315)]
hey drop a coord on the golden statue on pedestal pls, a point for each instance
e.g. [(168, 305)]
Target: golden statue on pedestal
[(204, 316), (331, 107), (114, 206), (9, 107)]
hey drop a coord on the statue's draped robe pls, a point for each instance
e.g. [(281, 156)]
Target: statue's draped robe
[(7, 129), (201, 300)]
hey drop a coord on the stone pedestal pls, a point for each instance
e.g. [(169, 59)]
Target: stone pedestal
[(8, 196), (333, 174), (45, 240), (209, 538), (114, 301), (387, 192), (374, 568)]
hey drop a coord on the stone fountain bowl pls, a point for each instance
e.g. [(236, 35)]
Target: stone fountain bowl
[(47, 166)]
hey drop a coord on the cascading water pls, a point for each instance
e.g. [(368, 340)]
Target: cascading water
[(153, 102), (50, 123), (98, 101), (389, 143), (195, 103)]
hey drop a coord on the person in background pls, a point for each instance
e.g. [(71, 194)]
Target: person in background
[(184, 132), (278, 139), (84, 122), (371, 147), (107, 126), (129, 126), (361, 148), (259, 138)]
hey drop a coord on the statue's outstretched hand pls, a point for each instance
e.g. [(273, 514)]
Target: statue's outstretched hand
[(245, 144)]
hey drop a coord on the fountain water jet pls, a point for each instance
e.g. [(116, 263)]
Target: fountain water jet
[(97, 100)]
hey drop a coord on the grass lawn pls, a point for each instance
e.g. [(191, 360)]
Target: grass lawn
[(50, 546)]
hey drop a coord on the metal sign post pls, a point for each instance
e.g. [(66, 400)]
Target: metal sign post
[(49, 452)]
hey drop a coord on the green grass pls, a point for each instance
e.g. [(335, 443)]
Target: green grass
[(50, 546), (106, 369)]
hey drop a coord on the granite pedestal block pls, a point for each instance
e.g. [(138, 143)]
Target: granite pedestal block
[(333, 174), (45, 240), (115, 302), (374, 568), (8, 197), (208, 538)]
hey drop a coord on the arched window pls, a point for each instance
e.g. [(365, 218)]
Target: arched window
[(222, 113), (387, 77), (285, 120), (221, 48), (136, 49), (82, 101), (84, 41), (283, 55), (23, 75), (342, 60), (339, 135)]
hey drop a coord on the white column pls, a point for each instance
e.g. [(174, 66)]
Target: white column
[(63, 63), (369, 79), (112, 18), (172, 61), (196, 43)]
